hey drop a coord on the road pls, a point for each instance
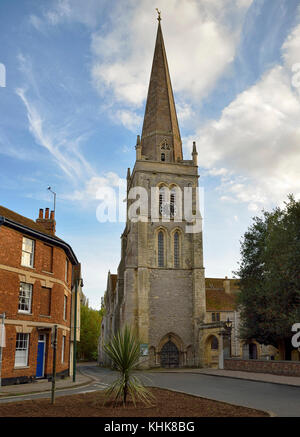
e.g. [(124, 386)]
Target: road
[(283, 400)]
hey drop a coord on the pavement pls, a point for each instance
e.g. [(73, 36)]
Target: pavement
[(249, 376), (43, 385), (90, 377)]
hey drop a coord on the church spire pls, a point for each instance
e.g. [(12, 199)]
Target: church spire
[(160, 128)]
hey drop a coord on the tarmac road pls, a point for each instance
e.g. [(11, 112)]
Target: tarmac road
[(283, 400)]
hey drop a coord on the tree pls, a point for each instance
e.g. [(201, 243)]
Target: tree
[(90, 326), (269, 275), (124, 352)]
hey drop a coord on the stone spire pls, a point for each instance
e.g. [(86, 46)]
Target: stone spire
[(160, 133)]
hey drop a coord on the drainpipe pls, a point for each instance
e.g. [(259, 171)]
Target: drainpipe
[(3, 318), (75, 333)]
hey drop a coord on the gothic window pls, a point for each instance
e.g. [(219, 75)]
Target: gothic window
[(163, 157), (176, 249), (161, 258)]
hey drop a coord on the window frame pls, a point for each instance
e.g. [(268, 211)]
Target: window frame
[(22, 311), (215, 317), (32, 254), (66, 270), (176, 248), (161, 250), (65, 307), (25, 339)]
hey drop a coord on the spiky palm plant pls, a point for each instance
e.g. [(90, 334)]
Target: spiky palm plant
[(124, 352)]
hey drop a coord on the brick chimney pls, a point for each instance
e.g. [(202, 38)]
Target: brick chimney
[(47, 223)]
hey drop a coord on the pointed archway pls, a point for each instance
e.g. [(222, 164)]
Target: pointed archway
[(169, 355), (171, 351)]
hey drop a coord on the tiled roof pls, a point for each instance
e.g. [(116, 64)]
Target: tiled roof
[(216, 298), (11, 215), (18, 219)]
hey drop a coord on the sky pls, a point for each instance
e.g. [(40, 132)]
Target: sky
[(77, 73)]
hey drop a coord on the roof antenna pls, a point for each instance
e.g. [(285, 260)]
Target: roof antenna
[(54, 195)]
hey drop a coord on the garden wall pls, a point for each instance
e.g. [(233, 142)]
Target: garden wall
[(287, 368)]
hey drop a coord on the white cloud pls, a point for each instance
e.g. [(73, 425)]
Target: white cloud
[(85, 12), (94, 185), (63, 149), (200, 37), (257, 136), (129, 119)]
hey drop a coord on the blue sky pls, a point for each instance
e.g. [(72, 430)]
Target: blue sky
[(77, 74)]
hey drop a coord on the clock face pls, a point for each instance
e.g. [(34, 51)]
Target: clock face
[(167, 209)]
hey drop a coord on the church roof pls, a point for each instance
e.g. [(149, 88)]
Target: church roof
[(160, 120), (216, 297)]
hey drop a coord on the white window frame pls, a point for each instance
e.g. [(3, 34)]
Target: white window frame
[(65, 307), (22, 348), (25, 287), (66, 270), (26, 252), (63, 345)]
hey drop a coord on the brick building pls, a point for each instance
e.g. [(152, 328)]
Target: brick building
[(39, 278)]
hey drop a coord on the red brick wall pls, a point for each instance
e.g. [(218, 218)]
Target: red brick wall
[(288, 368), (10, 255)]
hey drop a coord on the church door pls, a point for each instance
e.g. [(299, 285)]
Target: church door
[(169, 355)]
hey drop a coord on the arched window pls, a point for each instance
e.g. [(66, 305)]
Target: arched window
[(163, 157), (176, 249), (214, 343), (161, 257)]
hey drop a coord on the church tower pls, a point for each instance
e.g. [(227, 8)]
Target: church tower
[(160, 287)]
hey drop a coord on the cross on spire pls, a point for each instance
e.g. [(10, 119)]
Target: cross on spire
[(159, 15)]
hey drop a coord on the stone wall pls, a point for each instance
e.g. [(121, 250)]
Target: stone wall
[(287, 368)]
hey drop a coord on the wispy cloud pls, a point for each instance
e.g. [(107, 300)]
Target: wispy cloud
[(64, 150)]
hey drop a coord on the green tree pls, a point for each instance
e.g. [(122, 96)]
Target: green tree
[(269, 275), (90, 326), (124, 352)]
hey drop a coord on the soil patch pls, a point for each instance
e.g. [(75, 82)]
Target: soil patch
[(167, 404)]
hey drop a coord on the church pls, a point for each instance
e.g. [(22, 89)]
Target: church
[(182, 318)]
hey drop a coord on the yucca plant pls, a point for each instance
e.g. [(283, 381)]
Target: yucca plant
[(124, 352)]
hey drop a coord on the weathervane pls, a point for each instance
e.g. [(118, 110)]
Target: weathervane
[(159, 17)]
